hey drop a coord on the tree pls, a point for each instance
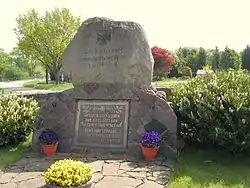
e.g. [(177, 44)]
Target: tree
[(246, 58), (5, 61), (215, 58), (201, 58), (230, 59), (26, 64), (163, 62), (45, 37), (8, 70)]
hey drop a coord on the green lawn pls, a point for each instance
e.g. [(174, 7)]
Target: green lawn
[(50, 86), (59, 87), (9, 155), (171, 83), (206, 169), (6, 91)]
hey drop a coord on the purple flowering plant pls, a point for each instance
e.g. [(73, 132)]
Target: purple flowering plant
[(151, 139), (48, 137)]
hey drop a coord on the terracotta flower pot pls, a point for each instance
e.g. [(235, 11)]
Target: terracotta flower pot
[(49, 150), (149, 154), (86, 185)]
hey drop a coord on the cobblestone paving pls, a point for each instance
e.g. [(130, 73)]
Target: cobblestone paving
[(109, 171)]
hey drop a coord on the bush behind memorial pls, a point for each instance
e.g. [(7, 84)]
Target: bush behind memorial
[(215, 110)]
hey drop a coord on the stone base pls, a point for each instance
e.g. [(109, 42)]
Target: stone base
[(59, 110)]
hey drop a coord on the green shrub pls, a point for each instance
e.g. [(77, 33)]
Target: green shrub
[(215, 110), (185, 72), (16, 119)]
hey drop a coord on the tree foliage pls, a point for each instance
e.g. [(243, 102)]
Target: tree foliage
[(31, 66), (215, 58), (246, 58), (163, 62), (45, 37), (230, 59), (8, 70)]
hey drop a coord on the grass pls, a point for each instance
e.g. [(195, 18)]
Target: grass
[(6, 91), (60, 87), (9, 155), (171, 83), (50, 86), (207, 169)]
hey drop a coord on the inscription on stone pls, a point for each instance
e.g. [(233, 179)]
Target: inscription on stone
[(102, 124), (100, 57)]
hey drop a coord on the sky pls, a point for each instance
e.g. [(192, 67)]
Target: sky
[(168, 24)]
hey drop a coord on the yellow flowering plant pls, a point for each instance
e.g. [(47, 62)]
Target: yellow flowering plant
[(67, 173)]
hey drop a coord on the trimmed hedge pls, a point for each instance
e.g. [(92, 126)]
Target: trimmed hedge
[(17, 115), (215, 110)]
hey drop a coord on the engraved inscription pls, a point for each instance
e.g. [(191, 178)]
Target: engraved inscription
[(100, 57), (102, 123), (103, 37)]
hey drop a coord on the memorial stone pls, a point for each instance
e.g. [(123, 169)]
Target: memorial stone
[(112, 102)]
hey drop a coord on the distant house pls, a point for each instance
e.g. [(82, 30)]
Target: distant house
[(201, 72)]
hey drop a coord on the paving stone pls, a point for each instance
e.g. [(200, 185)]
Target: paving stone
[(114, 161), (141, 169), (110, 169), (7, 177), (34, 160), (120, 172), (56, 158), (33, 183), (97, 166), (160, 177), (26, 176), (38, 166), (80, 158), (161, 174), (34, 155), (158, 168), (16, 169), (97, 177), (21, 162), (137, 175), (115, 182), (127, 166), (8, 185), (150, 184), (110, 173)]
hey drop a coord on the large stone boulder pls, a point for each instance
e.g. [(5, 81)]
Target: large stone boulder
[(107, 51)]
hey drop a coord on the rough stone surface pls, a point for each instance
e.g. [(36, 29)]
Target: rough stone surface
[(109, 62), (144, 107), (103, 46), (110, 171)]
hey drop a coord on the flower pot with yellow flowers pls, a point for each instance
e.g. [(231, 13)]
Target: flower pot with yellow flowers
[(68, 173)]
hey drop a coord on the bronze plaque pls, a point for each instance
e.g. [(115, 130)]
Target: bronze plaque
[(102, 124)]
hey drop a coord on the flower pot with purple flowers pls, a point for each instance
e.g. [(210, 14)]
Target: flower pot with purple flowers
[(150, 144), (49, 141)]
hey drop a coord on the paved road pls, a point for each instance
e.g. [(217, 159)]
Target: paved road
[(17, 87)]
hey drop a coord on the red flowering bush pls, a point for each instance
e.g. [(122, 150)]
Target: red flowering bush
[(164, 61)]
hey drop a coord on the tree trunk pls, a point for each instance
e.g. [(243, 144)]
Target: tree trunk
[(47, 75), (56, 76), (52, 76)]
